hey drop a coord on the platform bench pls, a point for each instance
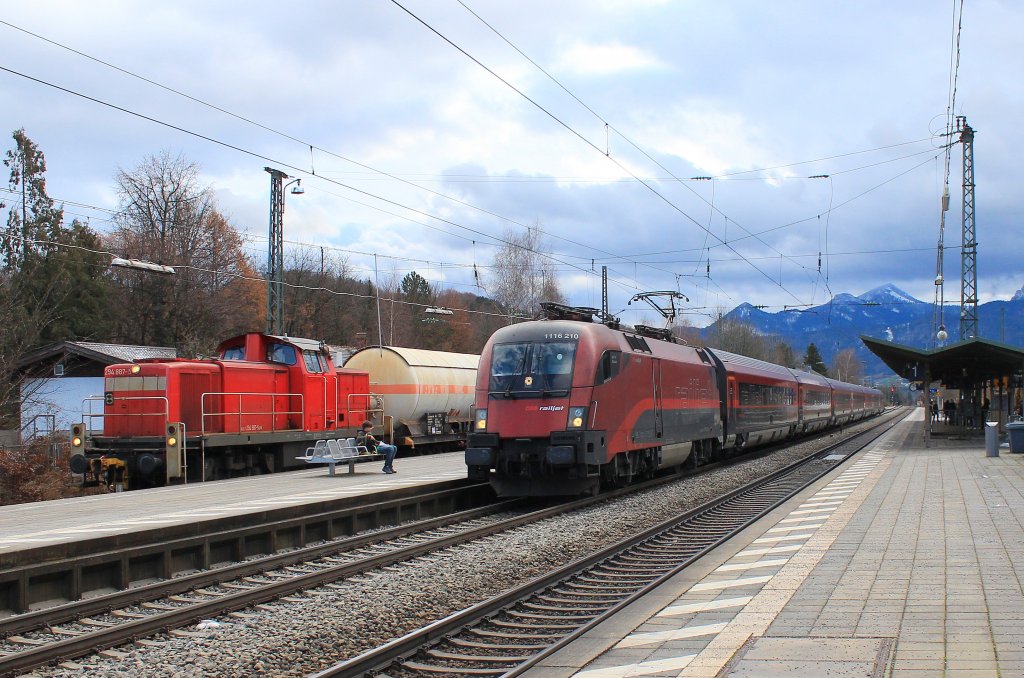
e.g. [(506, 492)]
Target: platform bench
[(338, 451)]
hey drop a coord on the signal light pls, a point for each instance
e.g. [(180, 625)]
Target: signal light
[(173, 437), (174, 443), (77, 436)]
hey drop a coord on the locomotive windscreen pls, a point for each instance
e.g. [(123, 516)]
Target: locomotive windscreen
[(532, 369)]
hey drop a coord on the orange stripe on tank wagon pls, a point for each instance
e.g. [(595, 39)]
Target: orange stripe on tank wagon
[(414, 389)]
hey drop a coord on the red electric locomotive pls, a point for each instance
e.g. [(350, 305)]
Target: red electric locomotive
[(252, 410), (567, 405)]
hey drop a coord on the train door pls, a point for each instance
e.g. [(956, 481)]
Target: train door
[(733, 401), (659, 424), (319, 385)]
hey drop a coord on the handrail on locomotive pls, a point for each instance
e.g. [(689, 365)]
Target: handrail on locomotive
[(301, 412)]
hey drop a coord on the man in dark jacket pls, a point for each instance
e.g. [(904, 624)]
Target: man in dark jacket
[(373, 445)]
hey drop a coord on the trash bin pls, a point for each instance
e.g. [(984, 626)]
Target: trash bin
[(1016, 431)]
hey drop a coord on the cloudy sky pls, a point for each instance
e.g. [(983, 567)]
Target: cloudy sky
[(439, 126)]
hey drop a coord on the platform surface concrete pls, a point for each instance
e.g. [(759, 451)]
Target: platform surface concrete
[(25, 526), (907, 561)]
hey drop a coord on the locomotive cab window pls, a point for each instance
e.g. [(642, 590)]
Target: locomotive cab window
[(533, 369), (609, 366), (237, 353), (312, 362), (281, 353)]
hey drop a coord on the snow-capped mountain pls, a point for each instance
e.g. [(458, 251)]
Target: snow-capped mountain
[(885, 312)]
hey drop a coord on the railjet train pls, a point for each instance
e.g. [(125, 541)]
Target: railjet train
[(567, 406)]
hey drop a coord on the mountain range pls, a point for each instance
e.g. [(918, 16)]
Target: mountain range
[(886, 312)]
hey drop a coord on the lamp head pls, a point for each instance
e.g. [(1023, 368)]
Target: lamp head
[(297, 189)]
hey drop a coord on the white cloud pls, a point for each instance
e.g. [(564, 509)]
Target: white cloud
[(608, 58)]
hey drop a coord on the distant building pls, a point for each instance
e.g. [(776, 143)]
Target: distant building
[(60, 377)]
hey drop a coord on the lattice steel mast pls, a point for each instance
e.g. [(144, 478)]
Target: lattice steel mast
[(275, 253), (969, 251)]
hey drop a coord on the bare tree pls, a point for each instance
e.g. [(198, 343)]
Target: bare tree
[(522, 274), (737, 337), (169, 216), (846, 366), (314, 305)]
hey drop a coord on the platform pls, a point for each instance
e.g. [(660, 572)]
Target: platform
[(907, 562), (25, 526)]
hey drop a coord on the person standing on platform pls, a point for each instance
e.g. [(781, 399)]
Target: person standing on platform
[(948, 410), (365, 438), (986, 404), (934, 410)]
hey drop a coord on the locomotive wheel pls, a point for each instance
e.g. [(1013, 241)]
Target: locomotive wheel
[(623, 470)]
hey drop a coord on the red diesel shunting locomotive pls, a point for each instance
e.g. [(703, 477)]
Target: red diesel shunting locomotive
[(252, 410), (567, 405)]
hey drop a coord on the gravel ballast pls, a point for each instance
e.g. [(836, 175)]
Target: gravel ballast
[(341, 621)]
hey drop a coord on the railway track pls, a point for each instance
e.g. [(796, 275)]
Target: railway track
[(56, 634), (51, 635), (509, 633), (67, 631)]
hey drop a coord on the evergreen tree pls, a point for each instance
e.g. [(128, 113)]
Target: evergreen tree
[(34, 217), (55, 270), (429, 331), (812, 358), (52, 284)]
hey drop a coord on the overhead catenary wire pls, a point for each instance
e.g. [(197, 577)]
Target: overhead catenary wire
[(589, 143), (312, 170), (311, 146), (608, 126), (939, 319), (294, 168)]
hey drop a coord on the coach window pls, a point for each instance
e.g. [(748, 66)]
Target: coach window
[(281, 353), (609, 366), (312, 363)]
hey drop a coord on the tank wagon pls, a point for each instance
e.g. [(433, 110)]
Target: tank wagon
[(566, 405), (426, 396), (251, 410)]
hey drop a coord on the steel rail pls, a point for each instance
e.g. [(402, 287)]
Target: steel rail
[(161, 621), (392, 654)]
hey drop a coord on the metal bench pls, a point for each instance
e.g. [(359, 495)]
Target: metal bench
[(338, 451)]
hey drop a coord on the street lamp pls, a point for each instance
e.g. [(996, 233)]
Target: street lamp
[(142, 265), (275, 253)]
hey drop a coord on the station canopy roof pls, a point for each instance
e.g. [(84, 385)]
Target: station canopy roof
[(962, 364)]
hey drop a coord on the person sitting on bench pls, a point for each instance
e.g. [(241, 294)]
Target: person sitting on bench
[(375, 446)]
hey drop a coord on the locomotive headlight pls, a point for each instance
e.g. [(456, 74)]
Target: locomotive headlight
[(481, 420), (76, 442), (136, 369), (577, 416), (172, 441)]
